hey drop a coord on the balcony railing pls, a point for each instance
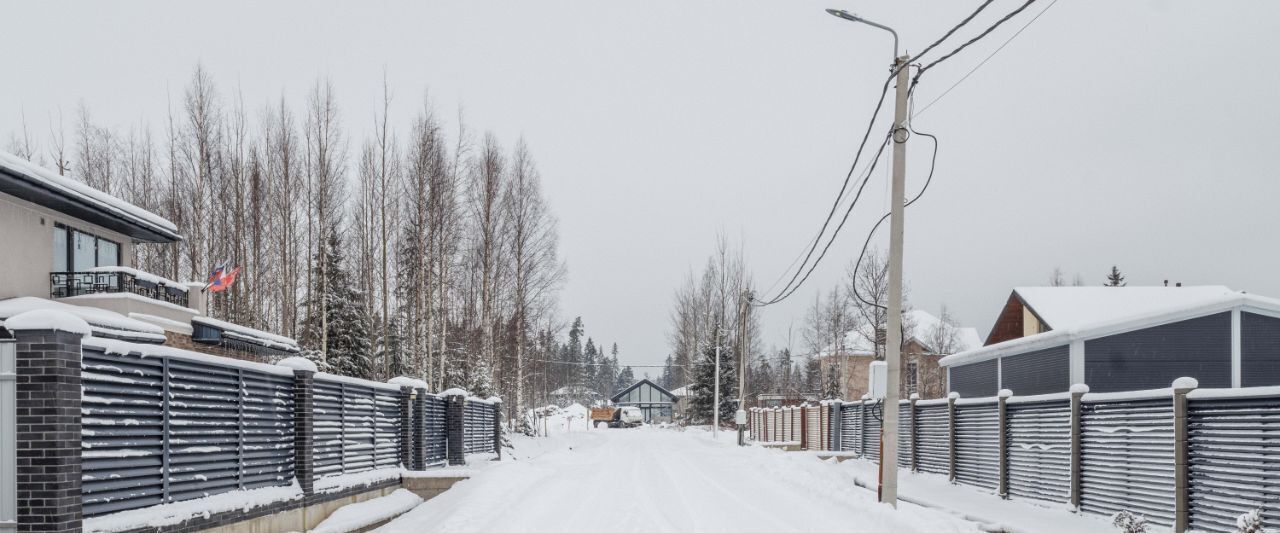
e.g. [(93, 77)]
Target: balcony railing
[(63, 284)]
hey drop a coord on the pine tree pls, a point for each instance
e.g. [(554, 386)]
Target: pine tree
[(1115, 279), (590, 369), (831, 386), (702, 390), (625, 378), (668, 374), (344, 329)]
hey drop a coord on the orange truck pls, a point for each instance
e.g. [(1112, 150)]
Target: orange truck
[(602, 415)]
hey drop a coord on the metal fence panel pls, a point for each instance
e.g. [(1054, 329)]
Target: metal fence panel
[(813, 428), (904, 434), (978, 444), (1039, 450), (478, 427), (159, 430), (435, 440), (1234, 456), (871, 431), (786, 424), (851, 428), (357, 427), (1127, 458), (933, 437)]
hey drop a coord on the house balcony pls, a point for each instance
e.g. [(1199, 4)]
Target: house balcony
[(107, 280)]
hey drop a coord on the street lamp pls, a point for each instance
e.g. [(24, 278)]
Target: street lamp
[(850, 16), (888, 492)]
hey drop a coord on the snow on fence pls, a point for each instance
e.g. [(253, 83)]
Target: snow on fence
[(1124, 447), (357, 425), (160, 426), (160, 430), (478, 427)]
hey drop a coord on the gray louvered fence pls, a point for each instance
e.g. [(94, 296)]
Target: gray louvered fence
[(1127, 458), (159, 430), (933, 437), (1039, 449), (435, 441), (1234, 456), (851, 427), (478, 434), (904, 435), (357, 426), (977, 435)]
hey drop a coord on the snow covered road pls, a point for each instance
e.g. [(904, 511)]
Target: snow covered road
[(652, 480)]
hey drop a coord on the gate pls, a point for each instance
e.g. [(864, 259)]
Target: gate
[(8, 437)]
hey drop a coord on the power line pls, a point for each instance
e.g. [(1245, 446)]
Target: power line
[(951, 31), (984, 61), (843, 187), (975, 38)]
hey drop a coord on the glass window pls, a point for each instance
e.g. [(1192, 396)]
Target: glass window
[(59, 249), (108, 253), (84, 252)]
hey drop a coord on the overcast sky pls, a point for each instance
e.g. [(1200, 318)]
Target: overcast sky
[(1141, 134)]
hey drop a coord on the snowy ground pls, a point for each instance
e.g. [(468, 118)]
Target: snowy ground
[(661, 479)]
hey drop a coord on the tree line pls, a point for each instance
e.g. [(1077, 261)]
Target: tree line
[(426, 252)]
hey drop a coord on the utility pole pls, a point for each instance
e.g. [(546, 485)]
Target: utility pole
[(893, 351), (743, 308)]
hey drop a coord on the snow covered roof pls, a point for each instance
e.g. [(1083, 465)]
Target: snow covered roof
[(857, 343), (1140, 315), (42, 186), (247, 334), (1073, 307), (642, 381), (102, 323), (574, 390)]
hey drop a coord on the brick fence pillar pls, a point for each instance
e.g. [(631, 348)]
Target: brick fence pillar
[(47, 392), (497, 427), (407, 434), (304, 430), (455, 427), (420, 429), (1181, 486)]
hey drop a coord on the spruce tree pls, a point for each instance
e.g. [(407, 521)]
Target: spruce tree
[(342, 326), (1115, 279), (625, 378), (702, 390), (831, 387)]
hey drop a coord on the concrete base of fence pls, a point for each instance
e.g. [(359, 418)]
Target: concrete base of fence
[(302, 516), (430, 487), (784, 446)]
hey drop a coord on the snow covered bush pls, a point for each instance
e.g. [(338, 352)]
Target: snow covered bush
[(1250, 522), (1129, 522)]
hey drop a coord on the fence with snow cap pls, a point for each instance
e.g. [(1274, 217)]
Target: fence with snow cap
[(1189, 458), (118, 427)]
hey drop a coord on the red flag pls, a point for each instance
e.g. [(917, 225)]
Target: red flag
[(221, 279)]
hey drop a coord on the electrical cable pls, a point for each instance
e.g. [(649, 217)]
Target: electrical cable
[(951, 31), (984, 61)]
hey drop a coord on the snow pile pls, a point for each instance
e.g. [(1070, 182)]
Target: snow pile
[(107, 322), (158, 516), (360, 515), (455, 392), (152, 350), (252, 334), (405, 381), (341, 482), (298, 363), (47, 319)]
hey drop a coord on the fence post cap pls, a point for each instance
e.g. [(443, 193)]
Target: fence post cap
[(1079, 388), (953, 395), (455, 392), (914, 396), (297, 363), (1185, 383), (405, 381), (1004, 393), (47, 320), (496, 400)]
